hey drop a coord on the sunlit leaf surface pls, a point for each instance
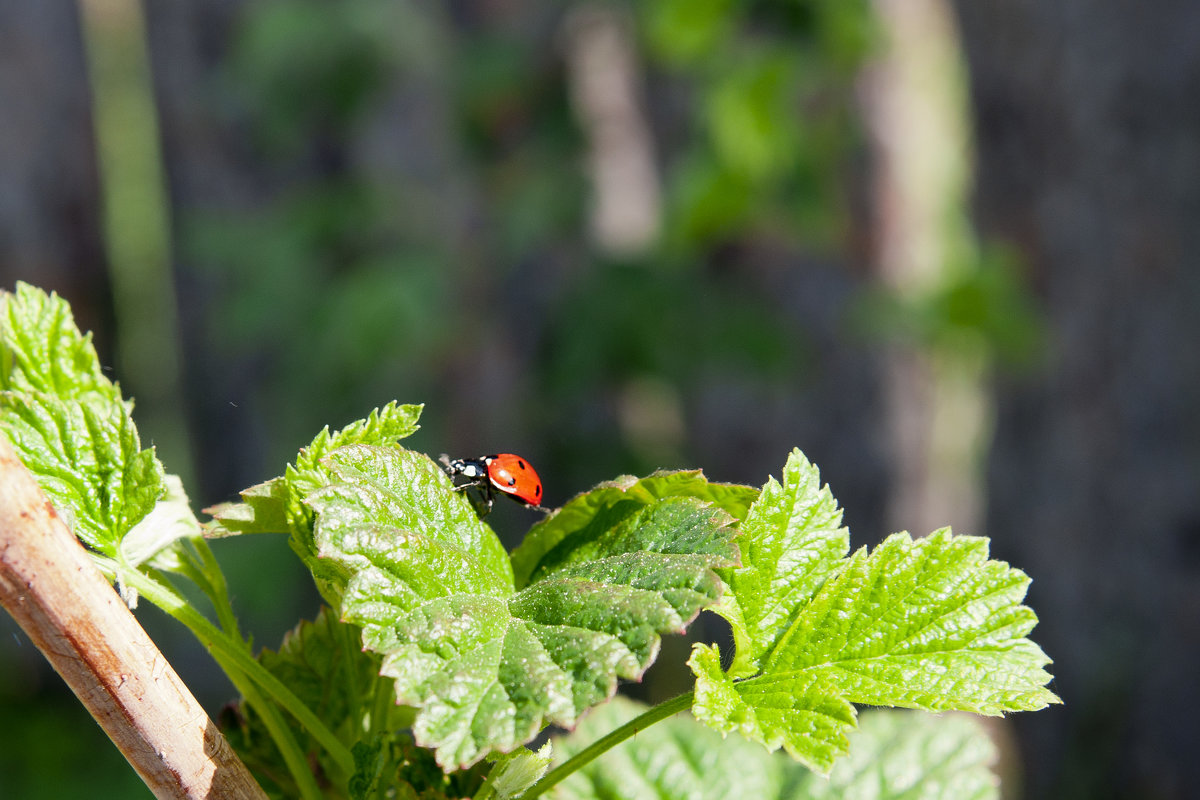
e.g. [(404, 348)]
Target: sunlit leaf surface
[(930, 624)]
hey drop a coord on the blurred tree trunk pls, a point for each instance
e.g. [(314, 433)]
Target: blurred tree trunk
[(137, 224), (1089, 142), (600, 51), (49, 231), (63, 229), (936, 409)]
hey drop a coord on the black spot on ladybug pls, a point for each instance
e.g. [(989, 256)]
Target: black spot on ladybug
[(520, 463), (538, 491)]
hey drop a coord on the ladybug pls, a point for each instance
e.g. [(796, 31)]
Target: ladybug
[(506, 473)]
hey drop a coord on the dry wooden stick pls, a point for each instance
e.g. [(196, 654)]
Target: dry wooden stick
[(69, 610)]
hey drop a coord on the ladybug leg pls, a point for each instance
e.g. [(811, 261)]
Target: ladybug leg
[(481, 501), (489, 495)]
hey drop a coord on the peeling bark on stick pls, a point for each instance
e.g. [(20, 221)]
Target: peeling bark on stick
[(69, 610)]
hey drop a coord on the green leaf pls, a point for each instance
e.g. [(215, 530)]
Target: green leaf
[(803, 713), (893, 756), (675, 758), (43, 351), (390, 522), (792, 541), (929, 624), (324, 664), (382, 426), (515, 772), (367, 768), (485, 665), (168, 523), (592, 513), (158, 539), (68, 422), (263, 510)]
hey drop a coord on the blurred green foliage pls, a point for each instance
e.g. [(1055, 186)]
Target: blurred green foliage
[(769, 128), (58, 751), (418, 225), (423, 195), (983, 305)]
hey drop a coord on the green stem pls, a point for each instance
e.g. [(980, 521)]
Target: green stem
[(293, 756), (487, 791), (606, 743), (228, 650), (383, 702), (220, 590), (196, 569)]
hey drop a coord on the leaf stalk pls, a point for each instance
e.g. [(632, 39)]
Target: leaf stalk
[(605, 743)]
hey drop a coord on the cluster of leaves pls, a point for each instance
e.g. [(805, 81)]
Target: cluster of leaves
[(441, 655), (491, 650)]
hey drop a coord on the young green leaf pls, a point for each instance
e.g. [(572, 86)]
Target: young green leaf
[(264, 509), (160, 539), (485, 665), (41, 350), (929, 624), (792, 541), (168, 523), (894, 755), (803, 713), (515, 772), (69, 424), (383, 426)]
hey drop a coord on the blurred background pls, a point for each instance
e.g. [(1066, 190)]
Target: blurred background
[(941, 246)]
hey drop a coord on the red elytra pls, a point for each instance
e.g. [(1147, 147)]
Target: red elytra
[(512, 475)]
